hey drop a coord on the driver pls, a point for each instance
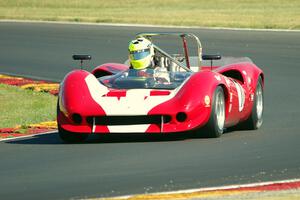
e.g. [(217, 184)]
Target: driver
[(141, 57)]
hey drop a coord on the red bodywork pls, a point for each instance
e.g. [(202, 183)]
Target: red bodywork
[(193, 99)]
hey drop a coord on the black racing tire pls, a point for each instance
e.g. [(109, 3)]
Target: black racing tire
[(255, 119), (215, 125), (69, 137)]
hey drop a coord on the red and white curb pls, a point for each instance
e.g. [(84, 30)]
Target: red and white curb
[(31, 129), (28, 83), (282, 185), (27, 136)]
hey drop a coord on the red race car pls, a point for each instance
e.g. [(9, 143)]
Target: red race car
[(202, 93)]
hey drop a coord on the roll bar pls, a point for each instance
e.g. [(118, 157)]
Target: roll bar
[(149, 36)]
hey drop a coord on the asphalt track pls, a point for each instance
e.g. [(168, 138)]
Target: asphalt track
[(44, 167)]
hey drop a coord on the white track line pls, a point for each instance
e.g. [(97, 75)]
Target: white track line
[(215, 188), (26, 136), (146, 25)]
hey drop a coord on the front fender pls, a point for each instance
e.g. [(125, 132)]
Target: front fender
[(194, 99), (75, 98)]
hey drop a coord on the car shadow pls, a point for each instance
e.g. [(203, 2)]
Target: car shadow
[(53, 138)]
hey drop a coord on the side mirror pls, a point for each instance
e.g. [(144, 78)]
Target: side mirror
[(81, 58), (211, 58)]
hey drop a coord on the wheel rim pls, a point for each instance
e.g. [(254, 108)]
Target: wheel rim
[(259, 102), (220, 110)]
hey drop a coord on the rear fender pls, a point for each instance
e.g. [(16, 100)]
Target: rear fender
[(249, 73), (246, 73)]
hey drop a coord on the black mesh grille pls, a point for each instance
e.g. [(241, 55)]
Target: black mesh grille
[(129, 120)]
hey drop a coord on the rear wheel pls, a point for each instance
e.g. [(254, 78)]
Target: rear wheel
[(215, 126), (255, 119)]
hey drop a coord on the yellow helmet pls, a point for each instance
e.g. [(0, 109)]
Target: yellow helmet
[(141, 52)]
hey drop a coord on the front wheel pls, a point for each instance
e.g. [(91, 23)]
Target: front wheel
[(67, 136), (70, 137), (215, 126)]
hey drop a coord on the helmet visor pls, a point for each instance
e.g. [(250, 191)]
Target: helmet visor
[(140, 54)]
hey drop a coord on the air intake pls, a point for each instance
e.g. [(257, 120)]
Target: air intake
[(129, 120)]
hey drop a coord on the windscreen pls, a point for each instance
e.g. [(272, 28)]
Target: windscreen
[(145, 79)]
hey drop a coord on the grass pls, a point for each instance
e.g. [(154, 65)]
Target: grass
[(268, 14), (23, 107)]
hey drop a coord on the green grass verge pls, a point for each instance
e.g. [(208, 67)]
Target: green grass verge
[(24, 107), (268, 14)]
